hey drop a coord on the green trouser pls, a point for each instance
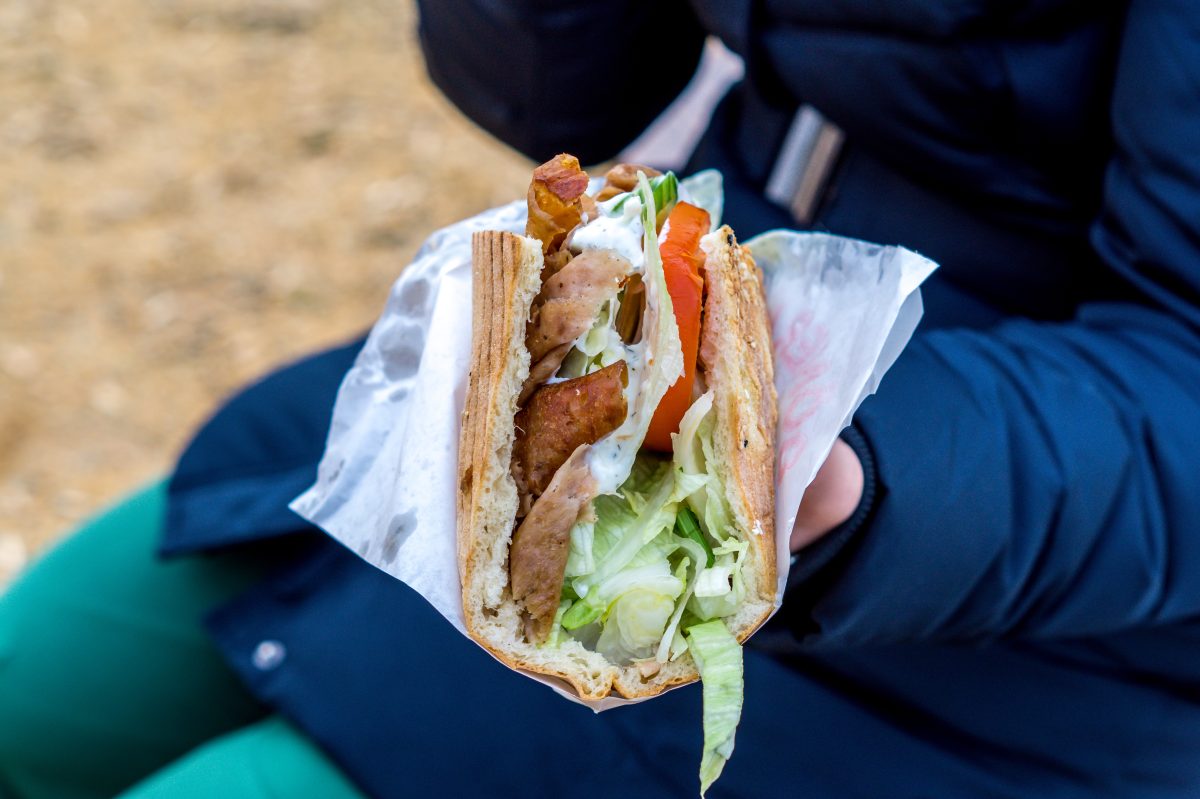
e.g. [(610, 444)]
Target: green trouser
[(109, 685)]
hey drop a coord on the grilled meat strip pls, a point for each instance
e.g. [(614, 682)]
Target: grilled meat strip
[(553, 200), (540, 545), (566, 308), (561, 416)]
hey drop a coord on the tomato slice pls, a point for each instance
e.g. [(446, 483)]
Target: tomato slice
[(682, 258)]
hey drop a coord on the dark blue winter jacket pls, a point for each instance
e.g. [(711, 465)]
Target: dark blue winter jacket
[(1015, 611)]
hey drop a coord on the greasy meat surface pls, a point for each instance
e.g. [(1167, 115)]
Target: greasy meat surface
[(571, 300), (622, 178), (559, 418), (538, 556), (554, 204), (543, 370), (633, 307)]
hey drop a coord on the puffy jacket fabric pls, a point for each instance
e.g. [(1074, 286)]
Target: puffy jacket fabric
[(1020, 616)]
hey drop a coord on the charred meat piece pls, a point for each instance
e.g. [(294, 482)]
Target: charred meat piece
[(571, 300), (540, 545), (554, 205), (543, 370), (622, 178), (559, 417), (555, 261), (633, 307)]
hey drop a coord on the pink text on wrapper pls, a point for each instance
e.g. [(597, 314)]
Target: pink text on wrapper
[(800, 344)]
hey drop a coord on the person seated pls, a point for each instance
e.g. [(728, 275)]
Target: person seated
[(997, 590)]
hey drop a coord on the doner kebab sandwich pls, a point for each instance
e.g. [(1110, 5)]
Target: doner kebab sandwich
[(616, 503)]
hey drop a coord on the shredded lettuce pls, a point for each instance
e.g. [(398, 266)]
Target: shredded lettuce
[(716, 591), (713, 510), (687, 526), (581, 558), (655, 516), (716, 580), (718, 656), (653, 570), (666, 194), (637, 530), (696, 555), (632, 543), (599, 347), (552, 640), (644, 477), (656, 589), (630, 548), (635, 624), (721, 589), (693, 451), (685, 444)]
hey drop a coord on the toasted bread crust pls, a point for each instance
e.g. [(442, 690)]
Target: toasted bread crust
[(505, 278), (736, 357), (735, 354)]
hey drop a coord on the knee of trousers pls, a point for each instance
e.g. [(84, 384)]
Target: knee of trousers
[(27, 715)]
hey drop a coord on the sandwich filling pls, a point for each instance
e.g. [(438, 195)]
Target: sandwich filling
[(625, 540)]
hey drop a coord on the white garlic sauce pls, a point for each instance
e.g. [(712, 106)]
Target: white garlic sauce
[(621, 233), (611, 458)]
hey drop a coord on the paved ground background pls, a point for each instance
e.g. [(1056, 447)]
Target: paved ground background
[(192, 191)]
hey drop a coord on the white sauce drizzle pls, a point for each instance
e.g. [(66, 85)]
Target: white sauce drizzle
[(621, 233)]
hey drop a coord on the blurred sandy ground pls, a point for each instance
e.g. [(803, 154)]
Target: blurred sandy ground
[(192, 191)]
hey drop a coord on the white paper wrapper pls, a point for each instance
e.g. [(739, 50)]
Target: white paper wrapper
[(841, 312)]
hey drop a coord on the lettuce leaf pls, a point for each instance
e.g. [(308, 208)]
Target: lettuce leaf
[(599, 347), (631, 545), (666, 194), (686, 526), (555, 636), (613, 515), (635, 624), (718, 656), (716, 580), (644, 476), (687, 454), (581, 557), (654, 582), (713, 509), (693, 451), (696, 554), (720, 590), (631, 535)]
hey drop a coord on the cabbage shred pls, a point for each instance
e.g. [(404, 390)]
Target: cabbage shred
[(656, 567)]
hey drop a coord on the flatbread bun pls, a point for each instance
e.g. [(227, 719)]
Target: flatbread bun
[(735, 355)]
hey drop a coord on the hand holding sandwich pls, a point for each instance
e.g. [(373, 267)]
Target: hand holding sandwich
[(831, 498)]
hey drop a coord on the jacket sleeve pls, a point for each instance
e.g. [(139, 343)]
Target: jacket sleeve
[(582, 76), (1042, 480)]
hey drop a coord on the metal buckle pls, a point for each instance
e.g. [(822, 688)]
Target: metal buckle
[(805, 164)]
